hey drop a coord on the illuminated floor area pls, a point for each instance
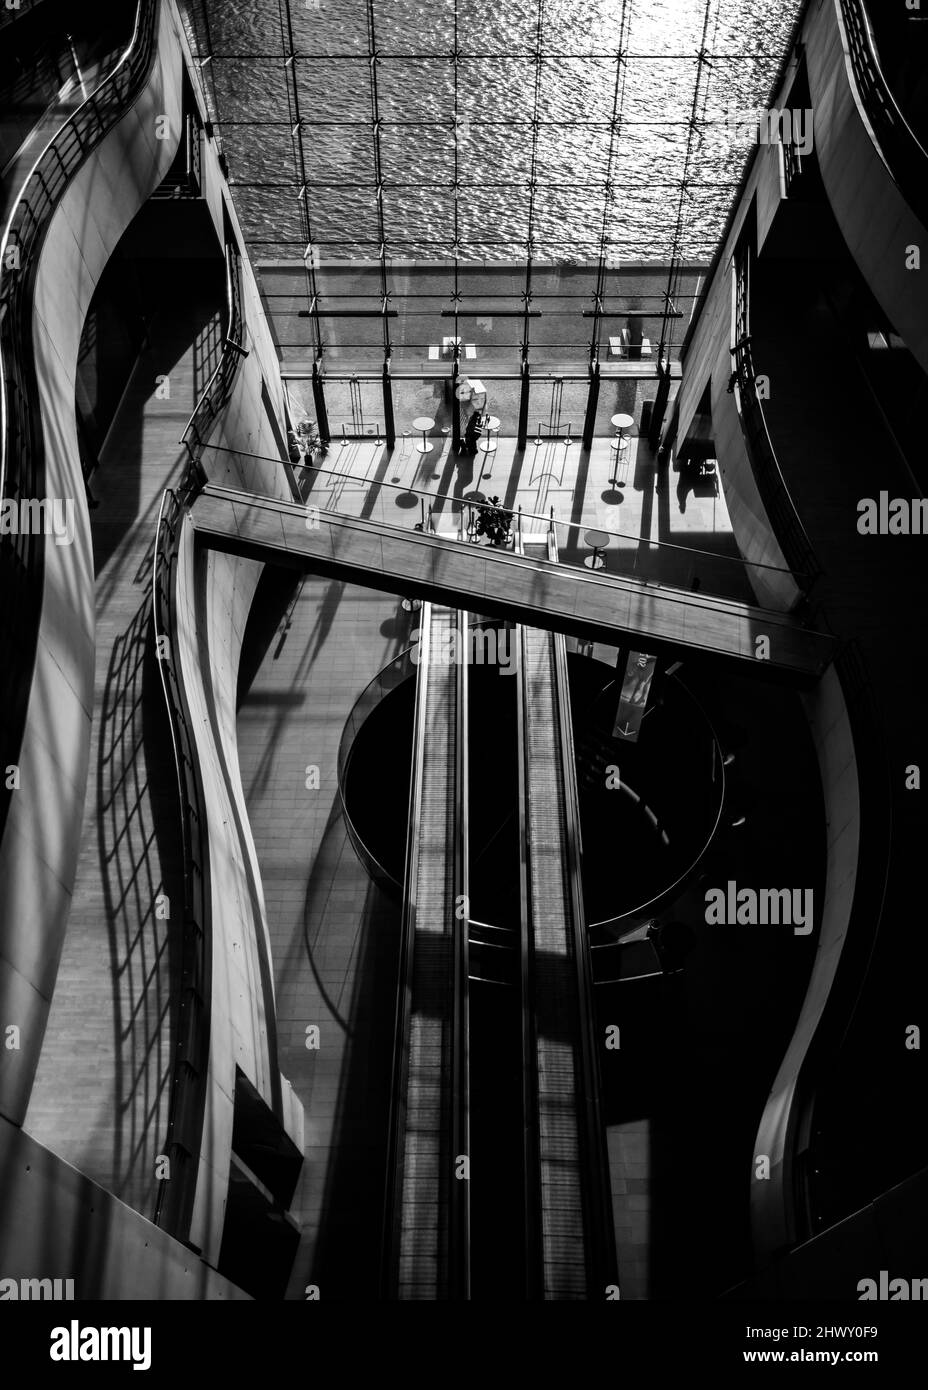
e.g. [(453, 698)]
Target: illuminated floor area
[(634, 497)]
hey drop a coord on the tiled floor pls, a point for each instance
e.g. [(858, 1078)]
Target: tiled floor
[(334, 935), (648, 501), (628, 1146)]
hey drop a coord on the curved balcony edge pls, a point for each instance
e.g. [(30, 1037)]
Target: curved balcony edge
[(82, 193), (866, 154), (845, 729)]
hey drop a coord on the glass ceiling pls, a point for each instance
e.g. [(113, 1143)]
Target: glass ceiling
[(520, 173)]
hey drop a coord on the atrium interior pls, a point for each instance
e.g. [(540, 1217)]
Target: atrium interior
[(459, 787)]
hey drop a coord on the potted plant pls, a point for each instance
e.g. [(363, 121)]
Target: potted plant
[(494, 522)]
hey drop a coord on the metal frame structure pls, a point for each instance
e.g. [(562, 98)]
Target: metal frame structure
[(378, 185)]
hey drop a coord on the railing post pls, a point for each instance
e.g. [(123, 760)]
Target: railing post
[(322, 418), (389, 424), (523, 405), (455, 408), (660, 403), (592, 403)]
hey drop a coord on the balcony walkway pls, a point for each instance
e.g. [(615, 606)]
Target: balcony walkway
[(497, 582)]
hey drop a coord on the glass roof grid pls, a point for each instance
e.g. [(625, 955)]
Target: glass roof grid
[(577, 134)]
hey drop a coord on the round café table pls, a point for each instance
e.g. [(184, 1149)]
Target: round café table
[(598, 541), (424, 423), (488, 443), (622, 423)]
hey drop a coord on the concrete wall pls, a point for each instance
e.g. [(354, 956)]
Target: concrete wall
[(874, 218), (889, 1234), (215, 594), (877, 226), (38, 855), (57, 1224), (771, 1199), (708, 361), (39, 852)]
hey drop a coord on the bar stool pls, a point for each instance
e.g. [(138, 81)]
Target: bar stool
[(423, 423)]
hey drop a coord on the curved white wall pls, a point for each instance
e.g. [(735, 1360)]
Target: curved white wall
[(708, 361), (875, 220), (772, 1216), (39, 852), (38, 855)]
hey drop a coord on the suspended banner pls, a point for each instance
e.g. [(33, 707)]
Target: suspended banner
[(633, 701)]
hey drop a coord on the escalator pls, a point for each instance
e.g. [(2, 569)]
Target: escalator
[(568, 1214), (426, 1237), (497, 1179)]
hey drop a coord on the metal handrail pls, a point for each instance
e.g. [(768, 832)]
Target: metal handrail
[(189, 184), (601, 1265), (371, 696), (775, 495), (589, 578), (903, 152), (187, 1105), (459, 1203), (430, 499), (673, 890), (22, 451), (218, 389), (460, 1214)]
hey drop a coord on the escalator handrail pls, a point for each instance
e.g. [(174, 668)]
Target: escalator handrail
[(600, 1248), (373, 694), (460, 1022), (459, 1235)]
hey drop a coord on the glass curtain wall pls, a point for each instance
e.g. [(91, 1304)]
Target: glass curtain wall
[(474, 185)]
